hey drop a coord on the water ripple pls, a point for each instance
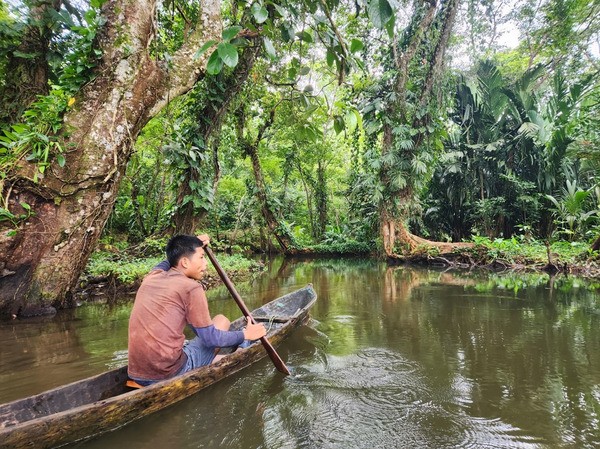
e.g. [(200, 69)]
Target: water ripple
[(376, 398)]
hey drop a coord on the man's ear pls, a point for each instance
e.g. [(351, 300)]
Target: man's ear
[(184, 262)]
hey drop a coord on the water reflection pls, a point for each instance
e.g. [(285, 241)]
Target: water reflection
[(393, 357)]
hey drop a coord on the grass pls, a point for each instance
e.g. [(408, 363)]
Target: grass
[(531, 251), (125, 270), (346, 247), (128, 270)]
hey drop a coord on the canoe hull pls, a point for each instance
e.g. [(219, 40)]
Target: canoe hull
[(88, 420)]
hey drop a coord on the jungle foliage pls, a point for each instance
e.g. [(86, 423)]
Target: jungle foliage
[(282, 142)]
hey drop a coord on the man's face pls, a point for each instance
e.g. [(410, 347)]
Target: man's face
[(196, 265)]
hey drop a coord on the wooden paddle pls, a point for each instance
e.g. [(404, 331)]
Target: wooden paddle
[(268, 346)]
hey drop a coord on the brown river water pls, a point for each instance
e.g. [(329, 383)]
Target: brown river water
[(393, 357)]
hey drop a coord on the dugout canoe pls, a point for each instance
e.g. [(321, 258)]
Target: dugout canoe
[(92, 406)]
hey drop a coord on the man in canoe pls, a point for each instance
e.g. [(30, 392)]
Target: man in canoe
[(169, 298)]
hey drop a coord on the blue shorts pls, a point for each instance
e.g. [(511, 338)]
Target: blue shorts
[(197, 355)]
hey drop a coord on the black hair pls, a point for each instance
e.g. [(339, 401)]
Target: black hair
[(181, 246)]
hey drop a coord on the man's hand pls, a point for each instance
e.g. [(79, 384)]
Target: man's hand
[(205, 239), (254, 331)]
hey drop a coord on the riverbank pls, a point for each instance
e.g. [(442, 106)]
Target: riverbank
[(112, 273), (514, 255)]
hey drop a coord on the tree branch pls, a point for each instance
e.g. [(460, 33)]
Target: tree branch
[(187, 68), (339, 37)]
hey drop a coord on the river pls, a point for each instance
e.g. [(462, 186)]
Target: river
[(392, 357)]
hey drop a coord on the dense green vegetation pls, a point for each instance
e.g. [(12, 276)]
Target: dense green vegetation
[(325, 126), (511, 151), (129, 265)]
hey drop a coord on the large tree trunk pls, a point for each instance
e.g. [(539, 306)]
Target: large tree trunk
[(188, 219), (270, 219), (305, 181), (595, 245), (71, 204), (393, 211)]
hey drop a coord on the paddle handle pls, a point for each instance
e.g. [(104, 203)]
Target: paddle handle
[(279, 364)]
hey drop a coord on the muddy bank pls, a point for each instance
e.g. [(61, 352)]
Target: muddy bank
[(589, 268)]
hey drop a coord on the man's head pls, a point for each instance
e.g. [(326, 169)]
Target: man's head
[(185, 253)]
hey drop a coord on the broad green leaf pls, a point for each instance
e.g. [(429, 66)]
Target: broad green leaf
[(305, 36), (205, 47), (305, 100), (310, 134), (380, 12), (351, 120), (269, 48), (338, 124), (391, 26), (287, 31), (280, 10), (214, 64), (63, 17), (239, 42), (330, 58), (259, 12), (25, 206), (228, 54), (61, 160), (356, 45), (231, 32), (90, 16)]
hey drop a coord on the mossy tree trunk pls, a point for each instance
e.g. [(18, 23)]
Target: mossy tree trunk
[(394, 208), (27, 66), (44, 256)]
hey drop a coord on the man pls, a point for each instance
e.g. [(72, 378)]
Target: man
[(169, 298)]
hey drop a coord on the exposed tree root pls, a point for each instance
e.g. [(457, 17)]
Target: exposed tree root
[(416, 245)]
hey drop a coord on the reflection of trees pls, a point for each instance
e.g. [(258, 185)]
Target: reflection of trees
[(36, 354), (400, 290), (513, 352), (39, 354)]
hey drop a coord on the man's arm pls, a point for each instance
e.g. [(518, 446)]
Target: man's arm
[(214, 337), (164, 265)]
